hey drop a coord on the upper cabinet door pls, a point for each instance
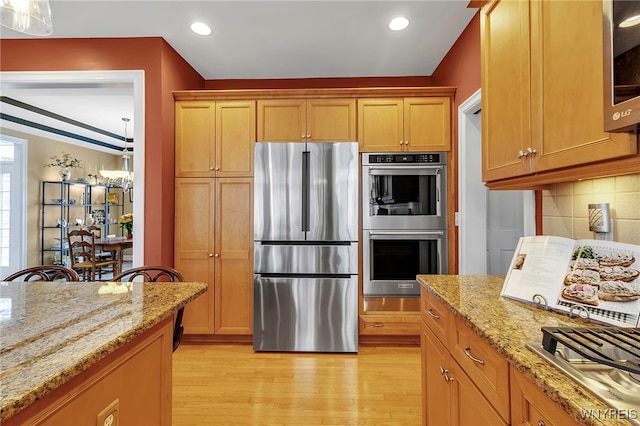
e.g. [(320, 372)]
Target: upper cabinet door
[(282, 120), (542, 94), (427, 124), (331, 120), (235, 137), (504, 29), (567, 78), (380, 125), (195, 133)]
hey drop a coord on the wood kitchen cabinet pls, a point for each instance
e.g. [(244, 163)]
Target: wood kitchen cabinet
[(404, 125), (454, 391), (531, 407), (214, 244), (310, 120), (215, 138), (542, 92), (390, 323)]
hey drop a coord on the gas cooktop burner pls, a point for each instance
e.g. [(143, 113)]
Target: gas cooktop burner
[(605, 360)]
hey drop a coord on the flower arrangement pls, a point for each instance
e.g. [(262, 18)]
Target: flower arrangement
[(65, 162), (126, 222)]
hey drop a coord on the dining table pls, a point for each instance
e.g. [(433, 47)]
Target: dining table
[(115, 245)]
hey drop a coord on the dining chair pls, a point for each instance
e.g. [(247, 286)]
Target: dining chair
[(44, 273), (97, 231), (155, 274), (82, 251)]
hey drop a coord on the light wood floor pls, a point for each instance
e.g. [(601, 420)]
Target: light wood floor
[(232, 384)]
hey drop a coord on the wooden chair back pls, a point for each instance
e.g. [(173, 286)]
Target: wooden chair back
[(97, 231), (82, 251), (44, 273), (154, 274)]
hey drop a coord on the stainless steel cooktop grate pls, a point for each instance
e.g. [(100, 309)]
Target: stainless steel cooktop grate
[(615, 347), (605, 360)]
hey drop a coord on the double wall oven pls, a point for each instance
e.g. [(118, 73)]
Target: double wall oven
[(404, 221)]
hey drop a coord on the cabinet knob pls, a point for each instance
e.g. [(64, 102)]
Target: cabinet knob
[(445, 374), (406, 142), (541, 423), (401, 142), (211, 168), (210, 254), (308, 136), (216, 255), (302, 137), (527, 153), (216, 169)]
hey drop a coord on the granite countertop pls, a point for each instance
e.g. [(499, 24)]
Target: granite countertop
[(507, 325), (52, 331)]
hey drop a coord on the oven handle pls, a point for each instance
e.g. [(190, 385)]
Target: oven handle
[(426, 170), (406, 232)]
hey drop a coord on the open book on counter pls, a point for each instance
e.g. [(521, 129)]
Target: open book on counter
[(594, 279)]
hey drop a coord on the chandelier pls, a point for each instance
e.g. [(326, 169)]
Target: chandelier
[(121, 178), (32, 17)]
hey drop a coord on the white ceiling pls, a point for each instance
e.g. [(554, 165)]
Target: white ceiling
[(254, 40)]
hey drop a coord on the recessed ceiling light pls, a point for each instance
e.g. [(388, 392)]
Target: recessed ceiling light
[(200, 28), (398, 24), (630, 22)]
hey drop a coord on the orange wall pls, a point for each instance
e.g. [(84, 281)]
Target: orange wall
[(460, 68), (164, 71)]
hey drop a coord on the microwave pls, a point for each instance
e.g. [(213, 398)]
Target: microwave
[(621, 46)]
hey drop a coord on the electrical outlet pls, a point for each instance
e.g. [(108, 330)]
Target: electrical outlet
[(109, 416)]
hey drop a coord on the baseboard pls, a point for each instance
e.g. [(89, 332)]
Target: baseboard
[(205, 339)]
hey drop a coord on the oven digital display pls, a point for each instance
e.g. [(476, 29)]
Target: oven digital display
[(432, 158)]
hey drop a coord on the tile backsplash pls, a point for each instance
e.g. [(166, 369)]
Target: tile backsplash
[(565, 207)]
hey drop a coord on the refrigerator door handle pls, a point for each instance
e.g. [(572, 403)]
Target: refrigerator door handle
[(306, 177)]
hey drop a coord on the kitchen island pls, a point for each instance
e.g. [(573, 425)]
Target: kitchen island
[(504, 326), (77, 353)]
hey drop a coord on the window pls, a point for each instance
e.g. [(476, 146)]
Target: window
[(12, 204)]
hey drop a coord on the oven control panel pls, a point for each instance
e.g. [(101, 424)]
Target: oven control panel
[(413, 158)]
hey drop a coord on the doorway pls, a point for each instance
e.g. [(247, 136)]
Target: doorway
[(490, 222), (38, 80)]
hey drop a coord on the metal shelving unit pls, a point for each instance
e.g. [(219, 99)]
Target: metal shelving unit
[(71, 204)]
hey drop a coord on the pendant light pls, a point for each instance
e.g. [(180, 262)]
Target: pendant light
[(32, 17), (122, 178)]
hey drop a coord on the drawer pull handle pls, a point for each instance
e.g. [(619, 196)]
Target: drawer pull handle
[(471, 357), (377, 324), (432, 314)]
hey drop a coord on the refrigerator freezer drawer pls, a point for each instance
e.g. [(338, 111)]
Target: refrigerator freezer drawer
[(273, 258), (305, 314)]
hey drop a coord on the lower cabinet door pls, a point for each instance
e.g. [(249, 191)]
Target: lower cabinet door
[(470, 407), (233, 283), (530, 406), (436, 395), (193, 247)]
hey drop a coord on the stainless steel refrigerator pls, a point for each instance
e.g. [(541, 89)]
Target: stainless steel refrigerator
[(306, 247)]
